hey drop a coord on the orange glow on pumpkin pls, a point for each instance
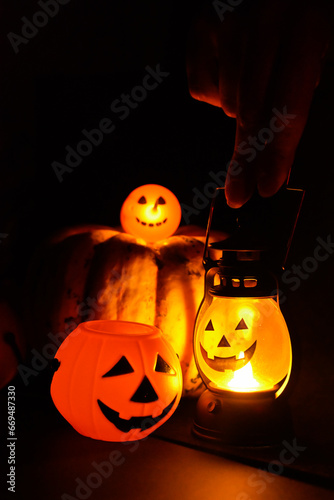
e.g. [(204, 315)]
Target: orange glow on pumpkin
[(151, 212), (116, 381), (243, 345)]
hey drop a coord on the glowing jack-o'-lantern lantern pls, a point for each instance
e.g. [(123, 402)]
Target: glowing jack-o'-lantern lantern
[(242, 351), (151, 212), (241, 342), (116, 381), (243, 345)]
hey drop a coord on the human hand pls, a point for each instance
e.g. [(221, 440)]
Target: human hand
[(260, 62)]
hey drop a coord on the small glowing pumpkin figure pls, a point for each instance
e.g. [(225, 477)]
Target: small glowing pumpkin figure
[(243, 345), (151, 212), (116, 380)]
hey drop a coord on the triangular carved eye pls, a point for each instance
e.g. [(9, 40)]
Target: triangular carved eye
[(122, 367), (209, 326), (161, 201), (142, 200), (163, 367), (242, 325)]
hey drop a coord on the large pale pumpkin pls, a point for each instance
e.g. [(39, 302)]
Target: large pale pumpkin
[(94, 272)]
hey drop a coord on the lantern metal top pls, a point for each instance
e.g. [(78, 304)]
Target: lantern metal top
[(260, 230)]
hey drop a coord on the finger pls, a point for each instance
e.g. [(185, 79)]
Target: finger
[(202, 62), (302, 54), (260, 52), (231, 34), (240, 181), (271, 144)]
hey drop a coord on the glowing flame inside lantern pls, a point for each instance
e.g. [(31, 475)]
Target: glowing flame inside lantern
[(243, 379)]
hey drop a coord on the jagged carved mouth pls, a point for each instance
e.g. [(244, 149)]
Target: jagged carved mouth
[(142, 423), (150, 224), (231, 363)]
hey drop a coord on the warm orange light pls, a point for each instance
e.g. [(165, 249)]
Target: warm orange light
[(117, 380), (151, 212), (243, 345), (243, 379)]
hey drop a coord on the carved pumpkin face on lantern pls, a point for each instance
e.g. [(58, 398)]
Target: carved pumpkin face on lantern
[(116, 381), (151, 212), (243, 345)]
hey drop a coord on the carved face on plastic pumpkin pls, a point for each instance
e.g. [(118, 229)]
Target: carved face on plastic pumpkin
[(116, 381), (151, 212), (243, 345)]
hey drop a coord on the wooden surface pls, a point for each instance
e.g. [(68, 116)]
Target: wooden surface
[(53, 460)]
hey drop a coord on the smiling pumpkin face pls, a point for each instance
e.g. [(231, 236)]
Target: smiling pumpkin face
[(117, 387), (151, 212), (242, 337)]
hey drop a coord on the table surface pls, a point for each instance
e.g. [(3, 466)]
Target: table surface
[(55, 462)]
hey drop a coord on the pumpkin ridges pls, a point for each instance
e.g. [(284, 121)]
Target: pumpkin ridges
[(65, 265), (182, 307), (72, 282), (103, 298), (100, 233), (120, 269)]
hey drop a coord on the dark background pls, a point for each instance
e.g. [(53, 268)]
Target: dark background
[(65, 79)]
